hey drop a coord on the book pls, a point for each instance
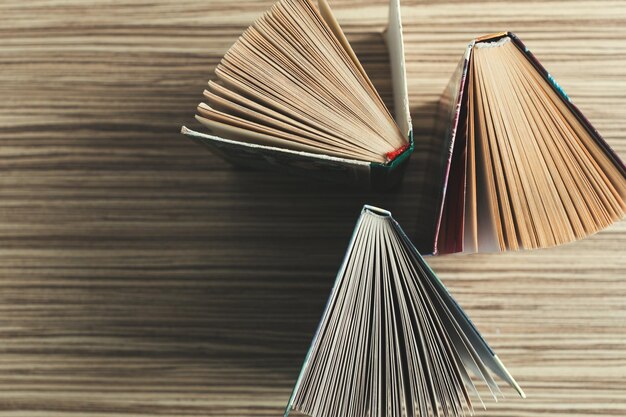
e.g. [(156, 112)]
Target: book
[(520, 167), (292, 94), (392, 341)]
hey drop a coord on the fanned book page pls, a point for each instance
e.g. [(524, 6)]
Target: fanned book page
[(527, 170), (292, 81), (392, 340)]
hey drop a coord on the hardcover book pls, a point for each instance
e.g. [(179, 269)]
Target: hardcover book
[(292, 94), (392, 341), (520, 166)]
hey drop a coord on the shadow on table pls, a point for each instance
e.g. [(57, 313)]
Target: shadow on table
[(246, 286)]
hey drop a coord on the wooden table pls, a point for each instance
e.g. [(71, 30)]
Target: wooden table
[(141, 275)]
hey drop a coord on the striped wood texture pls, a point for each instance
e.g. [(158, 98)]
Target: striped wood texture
[(140, 275)]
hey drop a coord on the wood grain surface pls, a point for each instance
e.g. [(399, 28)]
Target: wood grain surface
[(141, 275)]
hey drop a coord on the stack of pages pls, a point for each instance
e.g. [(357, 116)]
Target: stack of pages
[(292, 94), (392, 340)]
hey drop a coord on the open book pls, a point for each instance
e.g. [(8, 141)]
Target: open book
[(292, 93), (392, 341), (521, 167)]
